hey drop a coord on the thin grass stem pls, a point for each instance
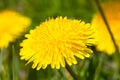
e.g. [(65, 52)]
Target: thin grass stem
[(71, 72)]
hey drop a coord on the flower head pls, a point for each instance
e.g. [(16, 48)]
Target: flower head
[(103, 38), (57, 41), (11, 25)]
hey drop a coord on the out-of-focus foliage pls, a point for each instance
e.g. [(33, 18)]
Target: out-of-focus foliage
[(39, 10)]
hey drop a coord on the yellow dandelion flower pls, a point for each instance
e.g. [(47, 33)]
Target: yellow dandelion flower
[(11, 25), (57, 41), (104, 41)]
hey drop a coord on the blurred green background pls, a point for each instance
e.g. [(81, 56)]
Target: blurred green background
[(98, 67), (39, 10)]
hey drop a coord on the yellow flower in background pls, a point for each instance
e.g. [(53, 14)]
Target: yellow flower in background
[(104, 41), (11, 26), (57, 41)]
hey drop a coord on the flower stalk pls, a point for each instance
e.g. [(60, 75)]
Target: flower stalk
[(71, 72)]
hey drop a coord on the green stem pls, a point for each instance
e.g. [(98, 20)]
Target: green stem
[(71, 72), (99, 67), (1, 60), (13, 66)]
